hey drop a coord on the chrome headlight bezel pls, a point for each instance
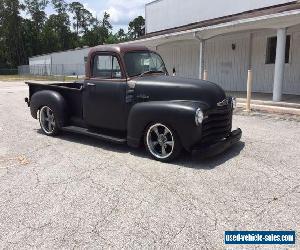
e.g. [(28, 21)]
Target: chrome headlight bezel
[(199, 117)]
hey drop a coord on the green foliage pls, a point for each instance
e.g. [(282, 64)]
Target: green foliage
[(11, 40), (82, 18), (136, 27), (69, 27)]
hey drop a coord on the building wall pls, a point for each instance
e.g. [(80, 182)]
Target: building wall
[(225, 65), (183, 56), (69, 62), (166, 14), (229, 67), (40, 65), (264, 73)]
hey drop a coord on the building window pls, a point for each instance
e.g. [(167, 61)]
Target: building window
[(271, 49)]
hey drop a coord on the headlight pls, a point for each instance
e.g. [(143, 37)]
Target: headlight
[(233, 102), (199, 117)]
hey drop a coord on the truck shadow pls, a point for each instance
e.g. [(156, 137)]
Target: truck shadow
[(187, 160), (200, 162)]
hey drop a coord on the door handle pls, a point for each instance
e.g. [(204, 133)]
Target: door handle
[(142, 97), (91, 84)]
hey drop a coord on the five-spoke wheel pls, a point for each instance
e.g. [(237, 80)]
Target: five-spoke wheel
[(162, 142), (47, 121)]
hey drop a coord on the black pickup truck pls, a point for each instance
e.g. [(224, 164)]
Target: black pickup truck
[(128, 97)]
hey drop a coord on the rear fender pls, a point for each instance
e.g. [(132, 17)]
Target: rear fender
[(53, 100)]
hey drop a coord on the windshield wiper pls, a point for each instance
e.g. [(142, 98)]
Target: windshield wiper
[(151, 71)]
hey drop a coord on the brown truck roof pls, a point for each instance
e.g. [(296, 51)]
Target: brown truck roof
[(118, 48), (114, 48)]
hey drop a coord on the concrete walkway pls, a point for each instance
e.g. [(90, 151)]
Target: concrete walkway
[(290, 104), (266, 97)]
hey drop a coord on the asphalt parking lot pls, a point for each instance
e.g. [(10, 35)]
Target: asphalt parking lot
[(73, 191)]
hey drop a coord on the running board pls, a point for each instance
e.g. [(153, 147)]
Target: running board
[(85, 131)]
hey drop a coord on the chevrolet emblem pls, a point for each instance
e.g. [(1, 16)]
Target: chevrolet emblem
[(223, 103)]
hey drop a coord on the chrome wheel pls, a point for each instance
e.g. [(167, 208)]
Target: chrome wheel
[(47, 120), (160, 141)]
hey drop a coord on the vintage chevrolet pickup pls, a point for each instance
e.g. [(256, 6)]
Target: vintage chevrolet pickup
[(128, 97)]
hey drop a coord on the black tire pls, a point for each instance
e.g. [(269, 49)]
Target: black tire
[(48, 121), (162, 142)]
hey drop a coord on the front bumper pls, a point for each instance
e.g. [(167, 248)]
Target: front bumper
[(220, 146)]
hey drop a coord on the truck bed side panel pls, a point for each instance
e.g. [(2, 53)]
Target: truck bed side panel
[(71, 92)]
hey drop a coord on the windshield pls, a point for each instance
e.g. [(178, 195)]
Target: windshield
[(141, 62)]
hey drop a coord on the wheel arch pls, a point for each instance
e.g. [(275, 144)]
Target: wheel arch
[(54, 100), (180, 116)]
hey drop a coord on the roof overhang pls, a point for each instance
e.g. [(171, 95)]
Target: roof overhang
[(271, 21)]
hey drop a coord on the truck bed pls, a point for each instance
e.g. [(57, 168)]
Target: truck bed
[(65, 85), (72, 92)]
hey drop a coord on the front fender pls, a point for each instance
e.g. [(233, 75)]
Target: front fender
[(179, 115)]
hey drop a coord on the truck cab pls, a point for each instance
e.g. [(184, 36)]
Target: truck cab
[(128, 97)]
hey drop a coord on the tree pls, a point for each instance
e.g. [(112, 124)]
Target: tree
[(34, 27), (21, 38), (99, 33), (105, 23), (11, 40), (51, 40), (82, 17), (61, 23), (121, 36), (60, 6), (136, 27), (36, 8)]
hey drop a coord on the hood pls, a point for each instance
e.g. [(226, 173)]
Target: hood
[(159, 88)]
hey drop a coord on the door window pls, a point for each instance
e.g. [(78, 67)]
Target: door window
[(106, 67), (116, 70)]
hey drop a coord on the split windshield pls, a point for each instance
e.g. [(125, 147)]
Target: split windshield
[(143, 62)]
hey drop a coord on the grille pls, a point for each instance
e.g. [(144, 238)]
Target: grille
[(217, 125)]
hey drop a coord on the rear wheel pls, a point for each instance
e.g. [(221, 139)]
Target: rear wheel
[(47, 121), (162, 142)]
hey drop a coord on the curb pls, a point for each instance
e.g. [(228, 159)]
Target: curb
[(271, 103), (272, 109)]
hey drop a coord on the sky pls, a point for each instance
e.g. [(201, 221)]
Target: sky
[(121, 11)]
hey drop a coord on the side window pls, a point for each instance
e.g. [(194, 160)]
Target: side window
[(106, 67)]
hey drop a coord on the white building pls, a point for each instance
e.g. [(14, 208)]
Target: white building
[(227, 38), (70, 62)]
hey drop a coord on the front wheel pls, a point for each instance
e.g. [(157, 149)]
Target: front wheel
[(162, 142), (47, 121)]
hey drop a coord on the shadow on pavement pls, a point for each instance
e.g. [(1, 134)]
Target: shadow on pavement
[(185, 160)]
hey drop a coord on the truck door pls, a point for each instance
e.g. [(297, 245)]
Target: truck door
[(104, 103)]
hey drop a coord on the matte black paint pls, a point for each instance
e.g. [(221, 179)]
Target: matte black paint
[(220, 146), (161, 87), (129, 105), (179, 115), (53, 100), (104, 104)]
